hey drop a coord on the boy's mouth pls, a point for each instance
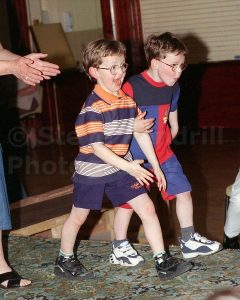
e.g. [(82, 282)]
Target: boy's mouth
[(117, 82)]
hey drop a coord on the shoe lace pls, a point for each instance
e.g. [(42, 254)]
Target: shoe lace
[(128, 249), (201, 238), (166, 261)]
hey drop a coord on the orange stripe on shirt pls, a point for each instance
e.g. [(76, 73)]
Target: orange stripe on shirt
[(119, 149), (88, 128), (101, 106)]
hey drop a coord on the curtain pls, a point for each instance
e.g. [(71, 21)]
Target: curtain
[(18, 23), (128, 28)]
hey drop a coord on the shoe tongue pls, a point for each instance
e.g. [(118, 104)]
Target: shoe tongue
[(125, 243), (160, 257)]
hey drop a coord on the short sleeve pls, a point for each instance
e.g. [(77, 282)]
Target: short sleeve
[(127, 88), (175, 97)]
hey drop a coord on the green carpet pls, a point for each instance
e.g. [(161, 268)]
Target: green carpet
[(34, 258)]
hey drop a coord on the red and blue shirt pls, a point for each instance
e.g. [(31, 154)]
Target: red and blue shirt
[(158, 100)]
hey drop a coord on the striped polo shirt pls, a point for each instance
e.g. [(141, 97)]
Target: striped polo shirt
[(105, 119)]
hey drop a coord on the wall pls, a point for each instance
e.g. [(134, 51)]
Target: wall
[(210, 95), (86, 19), (210, 28)]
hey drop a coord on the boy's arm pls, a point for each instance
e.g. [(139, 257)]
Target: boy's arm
[(146, 146), (133, 168), (173, 122)]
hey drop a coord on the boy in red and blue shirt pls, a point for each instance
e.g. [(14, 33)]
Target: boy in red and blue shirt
[(156, 91)]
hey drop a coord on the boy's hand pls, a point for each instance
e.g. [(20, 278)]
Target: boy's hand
[(143, 125), (161, 181), (142, 175)]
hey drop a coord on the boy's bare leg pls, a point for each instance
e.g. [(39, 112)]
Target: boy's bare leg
[(4, 267), (145, 209), (121, 222), (71, 228), (184, 209), (167, 267), (67, 263), (192, 243)]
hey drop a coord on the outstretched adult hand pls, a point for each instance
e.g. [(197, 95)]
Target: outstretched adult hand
[(32, 70), (46, 68)]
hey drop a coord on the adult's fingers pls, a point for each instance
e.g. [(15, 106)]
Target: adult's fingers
[(34, 56)]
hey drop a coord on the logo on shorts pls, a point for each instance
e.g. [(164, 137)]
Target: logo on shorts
[(136, 186)]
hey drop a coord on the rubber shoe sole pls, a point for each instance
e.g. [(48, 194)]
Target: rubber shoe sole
[(195, 254), (60, 272), (185, 267)]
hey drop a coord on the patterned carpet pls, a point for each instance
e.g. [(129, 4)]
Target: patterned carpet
[(34, 257)]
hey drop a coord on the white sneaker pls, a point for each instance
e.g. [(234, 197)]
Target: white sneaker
[(199, 245), (125, 255)]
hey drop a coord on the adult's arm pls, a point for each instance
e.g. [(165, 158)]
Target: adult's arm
[(30, 69)]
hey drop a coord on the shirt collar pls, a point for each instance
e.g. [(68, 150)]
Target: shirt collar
[(151, 81), (107, 97)]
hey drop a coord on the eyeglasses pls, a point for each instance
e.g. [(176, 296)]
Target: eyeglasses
[(175, 67), (114, 69)]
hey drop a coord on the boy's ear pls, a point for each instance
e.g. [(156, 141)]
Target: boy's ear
[(93, 72), (154, 63)]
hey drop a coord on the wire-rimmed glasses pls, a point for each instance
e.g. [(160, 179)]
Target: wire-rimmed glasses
[(175, 67), (115, 68)]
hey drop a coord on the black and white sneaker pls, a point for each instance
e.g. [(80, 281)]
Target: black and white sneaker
[(199, 245), (169, 267), (125, 255), (71, 268)]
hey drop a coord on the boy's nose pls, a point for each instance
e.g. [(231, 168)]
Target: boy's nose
[(119, 70)]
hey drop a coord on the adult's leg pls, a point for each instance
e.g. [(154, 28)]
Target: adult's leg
[(5, 224), (4, 267), (232, 225)]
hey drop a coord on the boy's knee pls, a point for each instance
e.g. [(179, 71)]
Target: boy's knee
[(149, 208), (78, 218)]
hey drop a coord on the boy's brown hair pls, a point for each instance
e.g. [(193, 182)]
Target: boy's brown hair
[(157, 46), (96, 50)]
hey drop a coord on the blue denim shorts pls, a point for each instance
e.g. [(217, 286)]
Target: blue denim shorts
[(118, 192), (5, 221)]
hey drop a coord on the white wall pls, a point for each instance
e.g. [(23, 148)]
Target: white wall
[(86, 13), (86, 19), (211, 28)]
